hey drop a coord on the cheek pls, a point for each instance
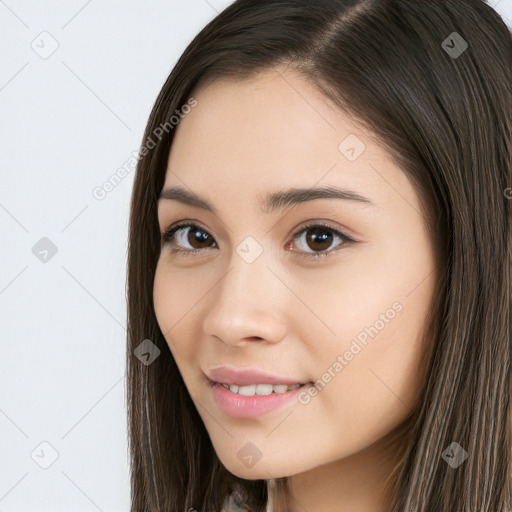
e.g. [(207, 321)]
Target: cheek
[(174, 302), (367, 363), (376, 384), (163, 300), (379, 295), (362, 297)]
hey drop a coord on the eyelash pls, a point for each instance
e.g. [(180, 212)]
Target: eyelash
[(169, 233)]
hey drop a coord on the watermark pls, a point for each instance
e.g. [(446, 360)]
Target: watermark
[(44, 250), (147, 352), (454, 455), (249, 249), (352, 147), (44, 455), (249, 454), (454, 45), (304, 397), (101, 191), (44, 45)]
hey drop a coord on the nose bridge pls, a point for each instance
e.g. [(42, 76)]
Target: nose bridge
[(246, 283), (244, 303)]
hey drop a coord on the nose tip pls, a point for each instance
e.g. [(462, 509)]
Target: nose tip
[(238, 325), (235, 330), (243, 310)]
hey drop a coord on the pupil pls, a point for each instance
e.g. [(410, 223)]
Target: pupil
[(196, 235), (326, 239)]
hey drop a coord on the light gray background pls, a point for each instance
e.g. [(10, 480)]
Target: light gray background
[(69, 120)]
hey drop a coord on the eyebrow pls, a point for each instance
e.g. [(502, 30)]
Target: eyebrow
[(273, 202)]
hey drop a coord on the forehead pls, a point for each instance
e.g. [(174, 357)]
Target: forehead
[(271, 116), (274, 131)]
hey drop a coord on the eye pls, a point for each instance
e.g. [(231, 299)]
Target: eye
[(195, 235), (320, 239)]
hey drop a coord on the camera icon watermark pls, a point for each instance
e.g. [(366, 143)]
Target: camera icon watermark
[(249, 249), (44, 45), (454, 45), (44, 455), (249, 454), (147, 352), (455, 455), (352, 147), (44, 250)]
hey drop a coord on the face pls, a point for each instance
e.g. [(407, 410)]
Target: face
[(328, 292)]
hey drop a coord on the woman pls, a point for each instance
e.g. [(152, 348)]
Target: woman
[(319, 263)]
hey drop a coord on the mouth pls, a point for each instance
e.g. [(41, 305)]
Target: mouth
[(248, 392), (253, 400), (245, 377), (260, 389)]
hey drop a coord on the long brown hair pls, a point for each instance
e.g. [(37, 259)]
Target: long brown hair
[(432, 81)]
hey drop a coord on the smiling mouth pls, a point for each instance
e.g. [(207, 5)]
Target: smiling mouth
[(260, 389), (253, 400)]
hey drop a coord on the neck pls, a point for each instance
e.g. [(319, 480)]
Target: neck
[(358, 483)]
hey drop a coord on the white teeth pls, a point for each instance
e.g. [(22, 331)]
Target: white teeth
[(260, 389), (264, 389), (247, 390)]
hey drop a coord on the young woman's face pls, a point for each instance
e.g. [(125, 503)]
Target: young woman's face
[(249, 294)]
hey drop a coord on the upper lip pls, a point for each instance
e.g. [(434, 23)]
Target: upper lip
[(246, 376)]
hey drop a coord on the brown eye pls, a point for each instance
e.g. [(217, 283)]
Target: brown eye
[(319, 239), (190, 234), (316, 244)]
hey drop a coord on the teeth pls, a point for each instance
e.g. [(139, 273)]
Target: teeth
[(247, 390), (260, 389), (264, 389)]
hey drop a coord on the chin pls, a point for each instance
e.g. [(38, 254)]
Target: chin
[(261, 470)]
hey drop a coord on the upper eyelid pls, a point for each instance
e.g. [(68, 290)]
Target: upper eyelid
[(303, 225)]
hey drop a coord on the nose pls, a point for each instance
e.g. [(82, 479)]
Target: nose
[(247, 305)]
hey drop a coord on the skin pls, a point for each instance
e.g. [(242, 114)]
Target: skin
[(286, 313)]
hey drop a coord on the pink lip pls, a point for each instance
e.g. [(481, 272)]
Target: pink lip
[(250, 406), (244, 377)]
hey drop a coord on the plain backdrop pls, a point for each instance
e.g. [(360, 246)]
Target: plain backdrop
[(77, 82)]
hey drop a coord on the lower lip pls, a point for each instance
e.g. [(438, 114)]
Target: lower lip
[(251, 406)]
